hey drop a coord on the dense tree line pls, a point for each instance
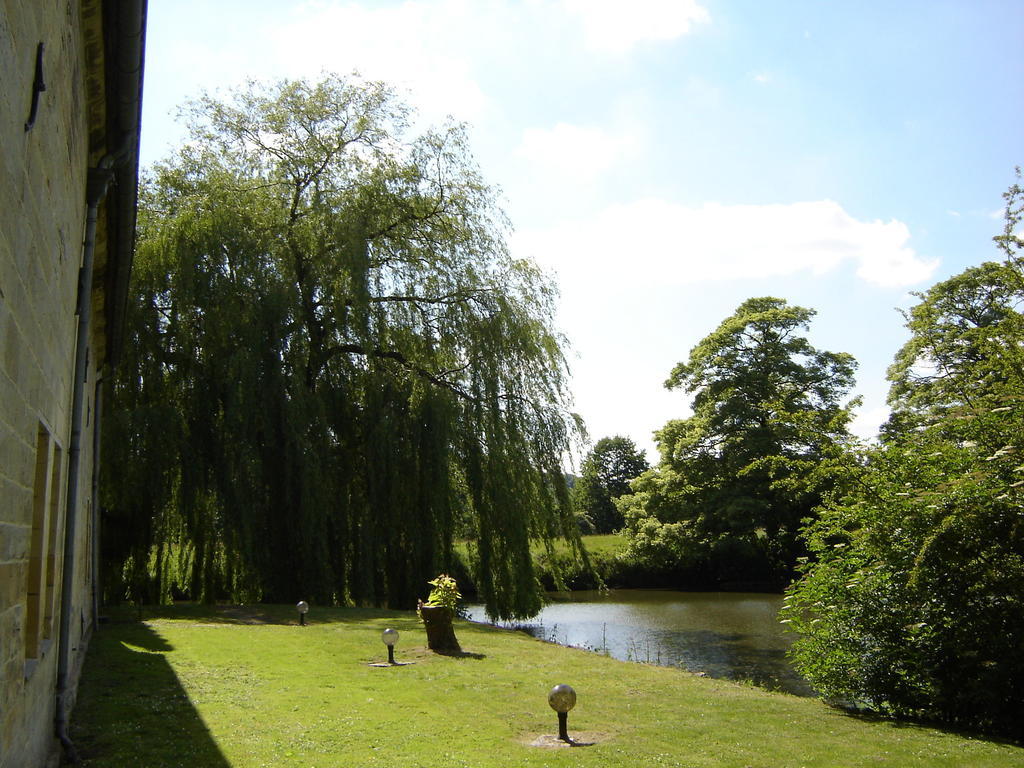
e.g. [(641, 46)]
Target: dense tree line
[(909, 553), (607, 471), (735, 480), (334, 366), (913, 601)]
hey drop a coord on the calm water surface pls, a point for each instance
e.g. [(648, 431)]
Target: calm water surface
[(728, 635)]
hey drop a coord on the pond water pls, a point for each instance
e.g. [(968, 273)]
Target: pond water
[(721, 634)]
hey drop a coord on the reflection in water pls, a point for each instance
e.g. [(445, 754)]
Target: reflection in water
[(735, 636)]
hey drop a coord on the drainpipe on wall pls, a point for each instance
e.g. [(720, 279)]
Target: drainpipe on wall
[(125, 32), (97, 416), (96, 189)]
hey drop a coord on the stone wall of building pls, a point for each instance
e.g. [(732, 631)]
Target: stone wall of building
[(43, 173)]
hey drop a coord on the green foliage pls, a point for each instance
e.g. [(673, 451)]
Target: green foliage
[(914, 602), (962, 350), (334, 365), (445, 593), (607, 470), (736, 478)]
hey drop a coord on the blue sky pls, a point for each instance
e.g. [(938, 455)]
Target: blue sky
[(665, 160)]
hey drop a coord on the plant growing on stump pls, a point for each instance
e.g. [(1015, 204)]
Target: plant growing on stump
[(437, 614)]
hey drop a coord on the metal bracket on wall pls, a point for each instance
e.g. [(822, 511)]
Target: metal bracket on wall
[(38, 86)]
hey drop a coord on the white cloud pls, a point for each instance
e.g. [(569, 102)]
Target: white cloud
[(866, 423), (418, 45), (614, 26), (449, 57), (683, 245), (762, 78), (572, 152)]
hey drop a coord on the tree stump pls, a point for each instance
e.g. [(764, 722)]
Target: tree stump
[(440, 632)]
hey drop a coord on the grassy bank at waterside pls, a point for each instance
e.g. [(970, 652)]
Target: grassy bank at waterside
[(607, 554), (247, 687)]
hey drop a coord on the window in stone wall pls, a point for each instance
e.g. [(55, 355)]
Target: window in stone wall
[(56, 475), (45, 495)]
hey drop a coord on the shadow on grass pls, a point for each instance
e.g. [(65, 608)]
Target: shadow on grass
[(282, 615), (132, 710), (863, 714), (461, 654)]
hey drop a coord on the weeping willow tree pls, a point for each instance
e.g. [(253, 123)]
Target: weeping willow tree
[(334, 367)]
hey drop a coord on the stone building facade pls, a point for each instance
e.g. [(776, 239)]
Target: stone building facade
[(70, 105)]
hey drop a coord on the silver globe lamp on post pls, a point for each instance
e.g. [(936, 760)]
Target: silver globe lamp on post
[(390, 637), (562, 698)]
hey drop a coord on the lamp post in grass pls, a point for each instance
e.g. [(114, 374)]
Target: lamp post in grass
[(562, 698), (390, 637), (303, 608)]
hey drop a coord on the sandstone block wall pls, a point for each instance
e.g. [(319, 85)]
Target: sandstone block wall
[(42, 220)]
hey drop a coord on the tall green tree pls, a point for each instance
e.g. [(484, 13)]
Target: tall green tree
[(334, 363), (606, 473), (961, 353), (913, 603), (737, 477)]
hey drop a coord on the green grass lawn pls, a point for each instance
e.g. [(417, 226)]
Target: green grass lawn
[(215, 687), (598, 544)]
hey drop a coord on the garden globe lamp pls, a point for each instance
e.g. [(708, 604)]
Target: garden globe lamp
[(562, 698), (390, 637), (303, 608)]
